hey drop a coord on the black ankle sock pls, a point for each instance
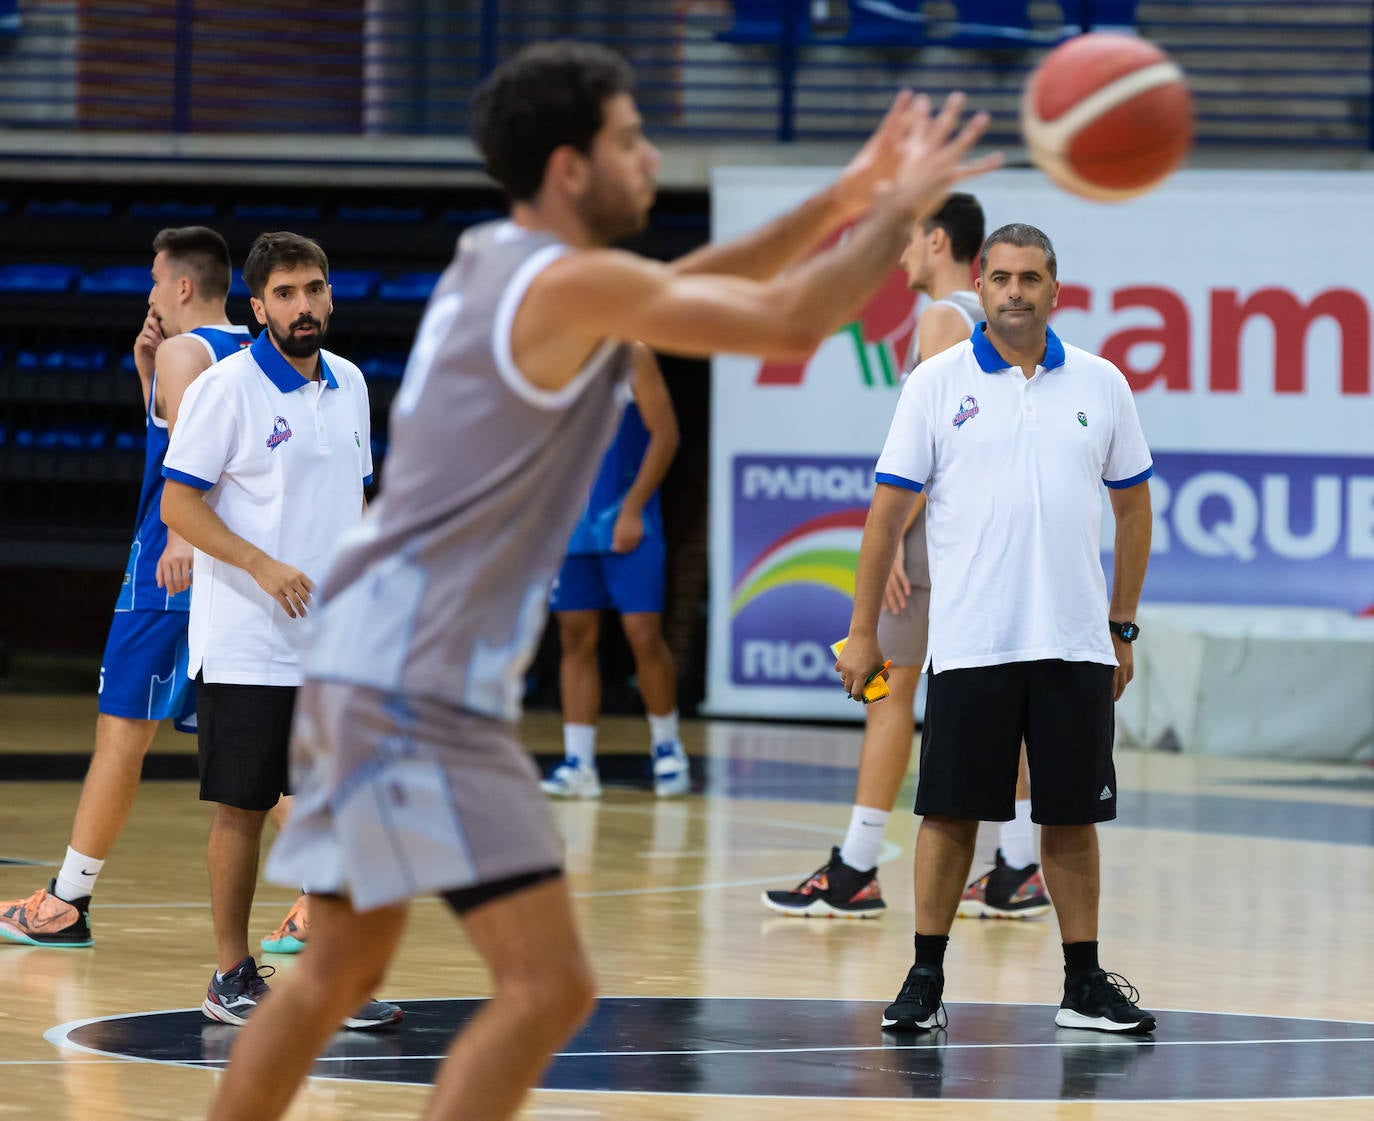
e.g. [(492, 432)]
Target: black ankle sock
[(1079, 958), (930, 949)]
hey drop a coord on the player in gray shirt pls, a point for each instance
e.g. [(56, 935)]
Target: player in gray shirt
[(410, 776)]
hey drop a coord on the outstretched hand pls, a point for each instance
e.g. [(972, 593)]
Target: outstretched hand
[(935, 156)]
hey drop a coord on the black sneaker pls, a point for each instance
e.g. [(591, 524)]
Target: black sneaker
[(834, 890), (232, 998), (1102, 1001), (374, 1014), (918, 1006), (1006, 893)]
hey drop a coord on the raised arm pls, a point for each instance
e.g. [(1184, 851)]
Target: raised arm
[(583, 298), (145, 351), (180, 360), (761, 254)]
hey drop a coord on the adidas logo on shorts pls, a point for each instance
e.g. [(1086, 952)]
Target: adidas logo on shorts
[(1106, 793)]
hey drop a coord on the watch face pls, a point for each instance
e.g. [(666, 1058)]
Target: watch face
[(1129, 631)]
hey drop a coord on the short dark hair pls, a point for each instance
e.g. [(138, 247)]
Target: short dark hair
[(202, 253), (548, 95), (280, 250), (1022, 236), (961, 217)]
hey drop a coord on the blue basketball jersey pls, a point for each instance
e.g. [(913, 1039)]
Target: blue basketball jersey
[(139, 591), (619, 467)]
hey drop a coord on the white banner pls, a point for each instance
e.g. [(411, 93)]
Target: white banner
[(1237, 304)]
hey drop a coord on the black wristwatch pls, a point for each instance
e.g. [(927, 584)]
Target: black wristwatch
[(1127, 632)]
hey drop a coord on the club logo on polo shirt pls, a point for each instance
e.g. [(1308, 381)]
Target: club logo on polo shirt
[(1083, 419), (968, 409), (281, 432)]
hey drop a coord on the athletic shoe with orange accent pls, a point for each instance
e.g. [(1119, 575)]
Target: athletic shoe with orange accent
[(1006, 893), (45, 920), (289, 938), (834, 890)]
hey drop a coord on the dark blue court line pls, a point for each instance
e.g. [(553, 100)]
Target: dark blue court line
[(776, 780)]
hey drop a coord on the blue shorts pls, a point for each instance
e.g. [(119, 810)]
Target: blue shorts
[(629, 582), (143, 672)]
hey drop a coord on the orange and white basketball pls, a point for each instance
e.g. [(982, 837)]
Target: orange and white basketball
[(1107, 116)]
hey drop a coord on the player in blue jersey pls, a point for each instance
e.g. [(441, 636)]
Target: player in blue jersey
[(615, 560), (143, 672)]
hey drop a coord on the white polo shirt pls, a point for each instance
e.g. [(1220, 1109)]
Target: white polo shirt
[(284, 461), (1012, 467)]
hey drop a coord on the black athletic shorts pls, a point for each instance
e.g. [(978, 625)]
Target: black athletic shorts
[(243, 740), (975, 721)]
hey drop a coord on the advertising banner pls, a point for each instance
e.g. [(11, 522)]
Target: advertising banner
[(1235, 302)]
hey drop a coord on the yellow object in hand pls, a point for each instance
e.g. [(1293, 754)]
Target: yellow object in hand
[(875, 688)]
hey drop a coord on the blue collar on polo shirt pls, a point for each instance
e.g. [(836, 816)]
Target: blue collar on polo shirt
[(993, 363), (279, 371)]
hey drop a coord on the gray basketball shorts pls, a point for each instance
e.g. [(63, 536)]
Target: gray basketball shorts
[(903, 637), (399, 796)]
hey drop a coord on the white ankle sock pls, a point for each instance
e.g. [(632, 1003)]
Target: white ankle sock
[(662, 729), (864, 839), (78, 875), (579, 742), (1016, 838)]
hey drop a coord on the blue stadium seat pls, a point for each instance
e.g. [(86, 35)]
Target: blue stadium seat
[(352, 285), (238, 287), (1117, 15), (382, 215), (885, 23), (761, 21), (275, 213), (127, 365), (470, 217), (995, 25), (9, 18), (69, 208), (67, 359), (384, 366), (117, 280), (47, 280), (173, 211), (408, 288), (130, 441)]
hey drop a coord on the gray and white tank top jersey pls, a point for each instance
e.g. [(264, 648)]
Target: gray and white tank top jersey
[(441, 591), (965, 302)]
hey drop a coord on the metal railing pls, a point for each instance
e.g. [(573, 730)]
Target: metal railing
[(1263, 72)]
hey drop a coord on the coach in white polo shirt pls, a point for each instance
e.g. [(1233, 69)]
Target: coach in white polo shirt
[(1011, 435), (265, 473)]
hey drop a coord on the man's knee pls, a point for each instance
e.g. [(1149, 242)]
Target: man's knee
[(644, 633), (561, 992), (578, 633)]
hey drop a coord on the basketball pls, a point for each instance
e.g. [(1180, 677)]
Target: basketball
[(1107, 116)]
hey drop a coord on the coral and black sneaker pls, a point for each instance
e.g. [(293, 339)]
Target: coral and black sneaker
[(290, 937), (834, 890), (43, 919), (918, 1006), (1102, 1001), (233, 997), (1006, 893)]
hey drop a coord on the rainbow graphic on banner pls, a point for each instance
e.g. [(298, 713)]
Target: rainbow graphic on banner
[(823, 551)]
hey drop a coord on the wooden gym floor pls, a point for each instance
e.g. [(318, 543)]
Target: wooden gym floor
[(1238, 897)]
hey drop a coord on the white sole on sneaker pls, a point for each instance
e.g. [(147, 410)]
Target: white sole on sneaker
[(353, 1024), (558, 790), (1068, 1018), (674, 787), (975, 909), (820, 909), (923, 1025), (220, 1014)]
